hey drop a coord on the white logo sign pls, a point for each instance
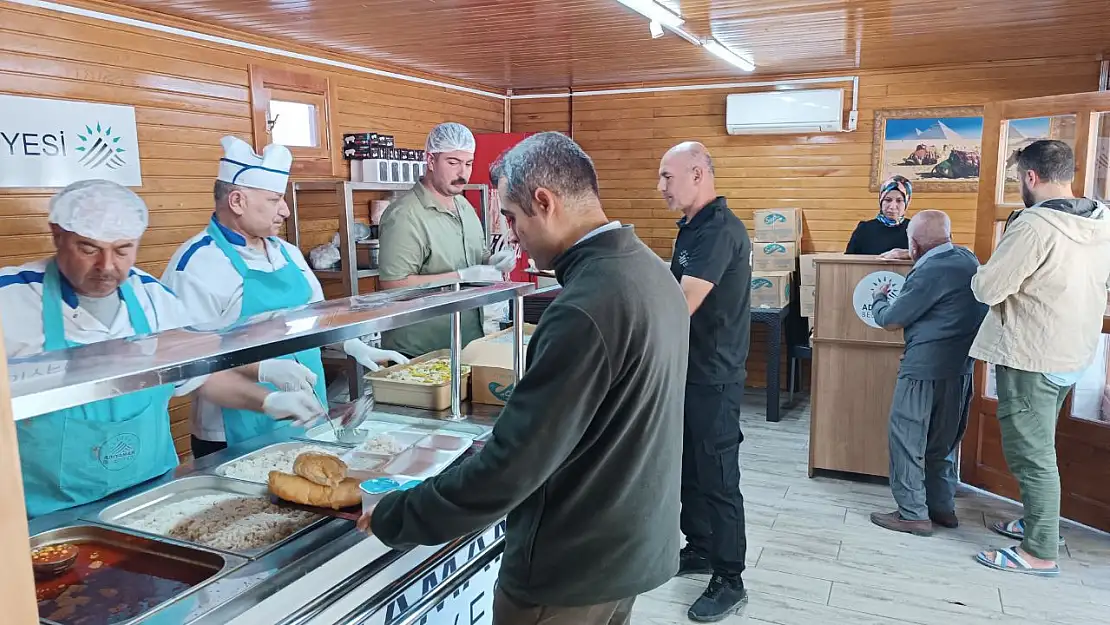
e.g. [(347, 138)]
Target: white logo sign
[(51, 143), (864, 295)]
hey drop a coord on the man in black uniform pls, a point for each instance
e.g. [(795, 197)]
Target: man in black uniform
[(712, 262)]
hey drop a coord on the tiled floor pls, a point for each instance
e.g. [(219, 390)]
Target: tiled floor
[(815, 558)]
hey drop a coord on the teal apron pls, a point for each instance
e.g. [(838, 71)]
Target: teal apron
[(78, 455), (265, 292)]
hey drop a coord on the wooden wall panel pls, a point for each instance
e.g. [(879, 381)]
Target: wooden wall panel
[(187, 94), (826, 175)]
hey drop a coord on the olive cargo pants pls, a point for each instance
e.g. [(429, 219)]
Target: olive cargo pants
[(1028, 407), (509, 611)]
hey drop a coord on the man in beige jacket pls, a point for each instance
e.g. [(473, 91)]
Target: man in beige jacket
[(1046, 286)]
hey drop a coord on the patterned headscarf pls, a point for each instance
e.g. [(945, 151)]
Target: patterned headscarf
[(895, 183)]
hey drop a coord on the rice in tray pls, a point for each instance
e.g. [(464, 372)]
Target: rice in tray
[(225, 521), (257, 468), (381, 444)]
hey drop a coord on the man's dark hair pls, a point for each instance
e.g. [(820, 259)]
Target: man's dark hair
[(1054, 161), (550, 160), (221, 190)]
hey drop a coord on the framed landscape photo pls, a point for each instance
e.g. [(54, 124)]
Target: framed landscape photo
[(937, 149)]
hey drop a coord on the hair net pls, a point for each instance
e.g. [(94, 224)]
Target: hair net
[(100, 210), (449, 137)]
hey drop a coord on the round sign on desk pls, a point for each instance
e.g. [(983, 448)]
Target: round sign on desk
[(864, 295)]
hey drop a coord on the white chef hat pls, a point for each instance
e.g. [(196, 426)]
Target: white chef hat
[(242, 166), (100, 210), (449, 137)]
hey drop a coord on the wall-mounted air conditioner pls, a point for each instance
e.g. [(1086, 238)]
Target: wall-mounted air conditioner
[(785, 112)]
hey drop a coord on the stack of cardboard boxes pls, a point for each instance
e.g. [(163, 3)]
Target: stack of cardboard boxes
[(778, 238), (808, 289)]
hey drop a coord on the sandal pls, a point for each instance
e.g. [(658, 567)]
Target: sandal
[(1004, 558), (1014, 529)]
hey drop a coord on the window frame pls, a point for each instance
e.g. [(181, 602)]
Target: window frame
[(268, 83)]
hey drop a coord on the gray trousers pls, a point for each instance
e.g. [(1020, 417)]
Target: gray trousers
[(927, 421)]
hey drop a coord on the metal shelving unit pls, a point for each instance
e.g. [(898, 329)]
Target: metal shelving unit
[(348, 271)]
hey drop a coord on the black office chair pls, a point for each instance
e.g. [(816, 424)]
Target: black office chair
[(799, 348)]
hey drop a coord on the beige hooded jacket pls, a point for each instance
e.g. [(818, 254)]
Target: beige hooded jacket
[(1046, 285)]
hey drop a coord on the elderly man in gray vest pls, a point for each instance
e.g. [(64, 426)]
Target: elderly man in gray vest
[(939, 316)]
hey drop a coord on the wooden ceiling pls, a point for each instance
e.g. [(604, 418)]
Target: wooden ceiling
[(530, 44)]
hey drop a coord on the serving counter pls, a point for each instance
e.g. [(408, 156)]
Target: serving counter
[(327, 572)]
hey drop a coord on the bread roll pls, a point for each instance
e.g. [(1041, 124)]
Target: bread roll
[(297, 489), (320, 468)]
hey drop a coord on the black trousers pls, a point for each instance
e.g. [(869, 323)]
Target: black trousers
[(202, 448), (712, 506)]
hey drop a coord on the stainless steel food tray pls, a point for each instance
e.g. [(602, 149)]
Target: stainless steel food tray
[(126, 540), (117, 515), (298, 443)]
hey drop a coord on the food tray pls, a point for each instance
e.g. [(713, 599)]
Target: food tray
[(420, 463), (120, 514), (146, 574), (416, 394), (325, 433), (223, 468)]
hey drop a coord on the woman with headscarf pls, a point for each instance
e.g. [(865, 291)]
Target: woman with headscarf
[(887, 231)]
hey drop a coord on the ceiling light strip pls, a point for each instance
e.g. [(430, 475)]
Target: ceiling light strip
[(728, 85), (171, 30)]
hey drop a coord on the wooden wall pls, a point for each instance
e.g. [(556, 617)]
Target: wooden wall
[(187, 94), (826, 176)]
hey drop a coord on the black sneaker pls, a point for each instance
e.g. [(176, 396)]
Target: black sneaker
[(690, 563), (723, 596)]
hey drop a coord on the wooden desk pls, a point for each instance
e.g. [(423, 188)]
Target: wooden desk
[(855, 367)]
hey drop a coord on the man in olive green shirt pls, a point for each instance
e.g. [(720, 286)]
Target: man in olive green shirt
[(433, 234)]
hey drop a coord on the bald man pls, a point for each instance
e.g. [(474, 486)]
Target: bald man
[(939, 316), (712, 262)]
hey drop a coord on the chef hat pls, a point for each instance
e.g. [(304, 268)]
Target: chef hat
[(242, 166), (100, 210), (450, 137)]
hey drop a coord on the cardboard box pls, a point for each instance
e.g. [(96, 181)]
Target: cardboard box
[(777, 256), (771, 289), (780, 224), (809, 267), (491, 366), (806, 300)]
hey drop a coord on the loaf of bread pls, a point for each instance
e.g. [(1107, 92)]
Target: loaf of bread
[(297, 489), (320, 468)]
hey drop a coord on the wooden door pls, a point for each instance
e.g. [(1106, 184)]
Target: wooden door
[(1083, 431)]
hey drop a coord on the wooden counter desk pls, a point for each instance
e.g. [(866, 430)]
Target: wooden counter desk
[(855, 366)]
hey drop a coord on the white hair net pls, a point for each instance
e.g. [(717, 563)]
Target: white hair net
[(450, 137), (100, 210)]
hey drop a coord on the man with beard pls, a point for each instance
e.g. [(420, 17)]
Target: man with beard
[(432, 234), (585, 456), (1046, 285), (88, 292), (712, 262)]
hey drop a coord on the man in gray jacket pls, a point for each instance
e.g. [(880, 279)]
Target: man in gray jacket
[(939, 316)]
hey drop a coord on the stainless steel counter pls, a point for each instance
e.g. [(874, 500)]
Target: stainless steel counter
[(330, 568)]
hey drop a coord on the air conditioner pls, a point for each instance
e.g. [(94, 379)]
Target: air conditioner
[(785, 112)]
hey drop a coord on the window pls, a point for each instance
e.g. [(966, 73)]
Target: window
[(293, 124), (295, 110)]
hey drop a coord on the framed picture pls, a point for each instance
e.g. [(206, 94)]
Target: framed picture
[(1022, 132), (937, 149)]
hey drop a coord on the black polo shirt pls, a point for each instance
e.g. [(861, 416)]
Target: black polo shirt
[(715, 247)]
